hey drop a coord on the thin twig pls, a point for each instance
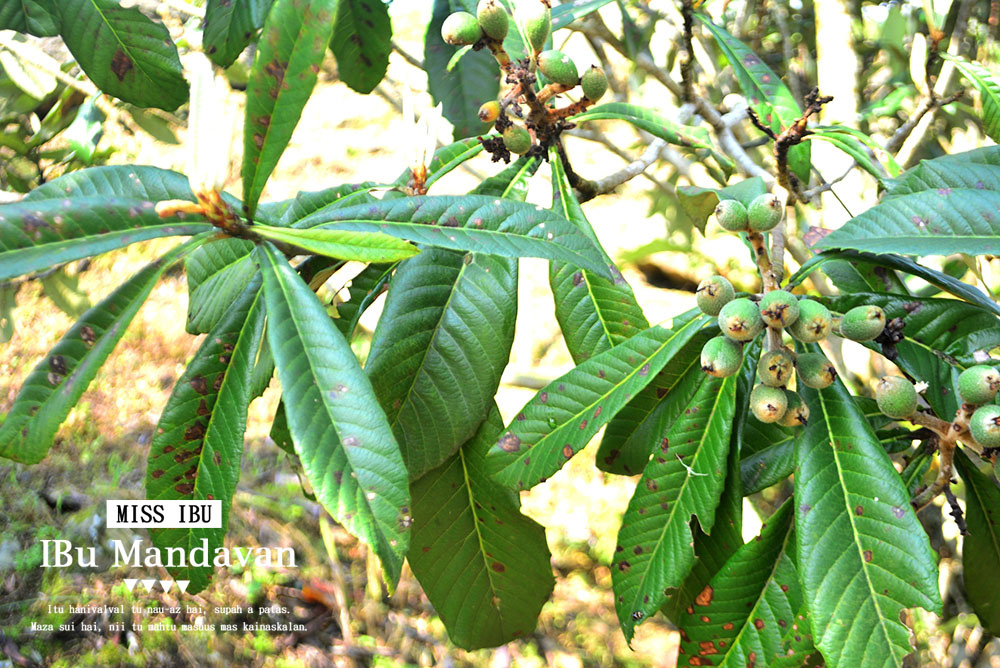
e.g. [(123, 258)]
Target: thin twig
[(595, 136), (408, 57), (927, 105), (629, 171), (823, 187), (946, 449)]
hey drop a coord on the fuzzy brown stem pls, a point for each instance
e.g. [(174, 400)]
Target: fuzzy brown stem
[(551, 91), (946, 463)]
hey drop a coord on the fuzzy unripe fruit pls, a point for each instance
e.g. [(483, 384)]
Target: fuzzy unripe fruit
[(536, 17), (558, 67), (740, 320), (732, 215), (460, 29), (896, 397), (768, 404), (779, 308), (516, 139), (797, 413), (862, 323), (813, 323), (721, 357), (713, 293), (978, 384), (815, 370), (492, 19), (775, 368), (594, 83), (985, 426), (489, 111), (764, 212)]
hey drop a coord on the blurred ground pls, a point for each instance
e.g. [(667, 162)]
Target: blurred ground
[(100, 452)]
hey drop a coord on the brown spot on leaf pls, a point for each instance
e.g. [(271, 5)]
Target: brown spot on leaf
[(509, 442), (498, 567), (199, 385), (728, 626), (88, 336), (705, 597), (157, 473), (194, 432), (121, 64), (203, 408), (758, 623), (867, 555), (567, 451), (624, 566), (184, 488), (859, 510)]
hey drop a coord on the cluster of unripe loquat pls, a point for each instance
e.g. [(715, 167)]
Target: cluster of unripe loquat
[(743, 319), (488, 28)]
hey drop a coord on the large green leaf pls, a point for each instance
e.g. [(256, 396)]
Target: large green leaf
[(634, 431), (38, 234), (362, 40), (216, 274), (569, 411), (651, 122), (125, 181), (683, 480), (440, 348), (341, 244), (307, 202), (474, 79), (978, 169), (477, 223), (942, 337), (340, 434), (124, 52), (35, 17), (228, 27), (861, 553), (981, 545), (289, 54), (483, 565), (712, 551), (748, 604), (988, 85), (765, 92), (949, 207), (198, 446), (594, 313), (58, 381), (798, 650)]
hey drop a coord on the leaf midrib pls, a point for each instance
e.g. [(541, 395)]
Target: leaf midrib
[(121, 44), (854, 529), (687, 479)]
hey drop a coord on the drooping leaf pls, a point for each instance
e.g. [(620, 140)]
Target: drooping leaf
[(651, 122), (683, 480), (933, 214), (477, 223), (565, 13), (341, 244), (854, 149), (941, 339), (35, 17), (8, 302), (874, 158), (362, 40), (36, 235), (748, 604), (289, 53), (229, 26), (765, 92), (699, 203), (768, 466), (861, 553), (57, 382), (216, 274), (198, 446), (461, 90), (440, 348), (981, 546), (594, 313), (565, 415), (483, 565), (340, 434), (942, 281), (713, 550), (988, 85), (636, 429), (124, 52)]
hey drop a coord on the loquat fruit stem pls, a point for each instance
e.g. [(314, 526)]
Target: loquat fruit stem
[(946, 448)]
